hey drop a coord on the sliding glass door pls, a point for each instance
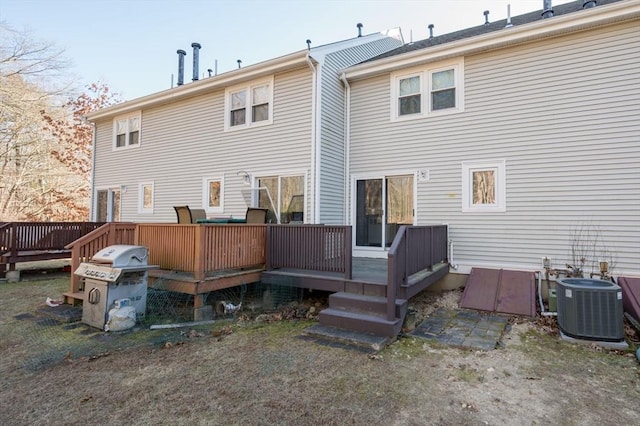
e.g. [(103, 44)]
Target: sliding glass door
[(108, 205), (382, 204)]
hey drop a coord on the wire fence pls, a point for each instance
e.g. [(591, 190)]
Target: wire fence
[(40, 336)]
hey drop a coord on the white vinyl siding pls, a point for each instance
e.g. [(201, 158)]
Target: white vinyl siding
[(185, 141), (563, 114), (332, 136)]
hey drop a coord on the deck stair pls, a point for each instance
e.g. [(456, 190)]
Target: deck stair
[(363, 313)]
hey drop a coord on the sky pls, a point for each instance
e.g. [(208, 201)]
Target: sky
[(131, 44)]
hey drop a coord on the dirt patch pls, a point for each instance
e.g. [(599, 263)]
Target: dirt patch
[(259, 371)]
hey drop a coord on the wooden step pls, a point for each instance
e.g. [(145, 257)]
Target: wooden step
[(370, 305), (360, 322)]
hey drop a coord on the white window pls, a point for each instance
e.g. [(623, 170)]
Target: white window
[(213, 195), (483, 186), (145, 198), (126, 131), (283, 196), (250, 105), (426, 91)]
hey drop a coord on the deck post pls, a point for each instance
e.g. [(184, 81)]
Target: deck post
[(391, 287), (267, 244), (348, 254), (199, 248)]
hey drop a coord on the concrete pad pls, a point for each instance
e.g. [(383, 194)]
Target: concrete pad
[(346, 338), (12, 276), (620, 345)]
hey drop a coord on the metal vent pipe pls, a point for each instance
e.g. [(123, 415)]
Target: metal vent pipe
[(589, 4), (547, 9), (196, 60), (431, 30), (181, 54)]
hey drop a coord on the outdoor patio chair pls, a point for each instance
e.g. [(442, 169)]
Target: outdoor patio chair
[(188, 215), (255, 215), (198, 214), (183, 213)]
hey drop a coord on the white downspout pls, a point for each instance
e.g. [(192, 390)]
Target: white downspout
[(92, 184), (347, 146), (315, 157)]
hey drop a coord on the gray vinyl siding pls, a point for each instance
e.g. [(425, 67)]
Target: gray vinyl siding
[(332, 148), (184, 142), (564, 113)]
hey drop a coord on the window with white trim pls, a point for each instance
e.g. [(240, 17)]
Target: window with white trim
[(425, 91), (483, 186), (145, 197), (249, 105), (283, 196), (126, 130), (213, 194)]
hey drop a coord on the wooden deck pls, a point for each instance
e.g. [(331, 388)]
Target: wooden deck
[(33, 241), (370, 295)]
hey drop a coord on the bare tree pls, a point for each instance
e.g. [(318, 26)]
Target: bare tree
[(45, 146)]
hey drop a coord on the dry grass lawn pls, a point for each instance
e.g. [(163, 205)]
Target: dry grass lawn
[(264, 373)]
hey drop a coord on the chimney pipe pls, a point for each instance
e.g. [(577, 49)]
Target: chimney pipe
[(308, 44), (547, 9), (210, 71), (359, 29), (589, 4), (181, 53), (239, 63), (431, 30), (486, 17), (509, 24), (196, 58)]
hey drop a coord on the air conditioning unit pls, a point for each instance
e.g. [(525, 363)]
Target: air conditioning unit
[(590, 309)]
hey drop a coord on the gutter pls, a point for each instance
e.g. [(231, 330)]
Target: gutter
[(237, 76), (544, 28)]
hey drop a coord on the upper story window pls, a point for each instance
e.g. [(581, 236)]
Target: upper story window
[(249, 105), (126, 130), (426, 91)]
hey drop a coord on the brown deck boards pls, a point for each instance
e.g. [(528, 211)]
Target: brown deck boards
[(500, 290)]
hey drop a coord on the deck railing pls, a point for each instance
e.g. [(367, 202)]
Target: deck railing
[(85, 247), (310, 247), (39, 236), (414, 249), (203, 249), (32, 241)]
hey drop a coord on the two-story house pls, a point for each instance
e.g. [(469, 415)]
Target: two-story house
[(522, 134), (268, 135)]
